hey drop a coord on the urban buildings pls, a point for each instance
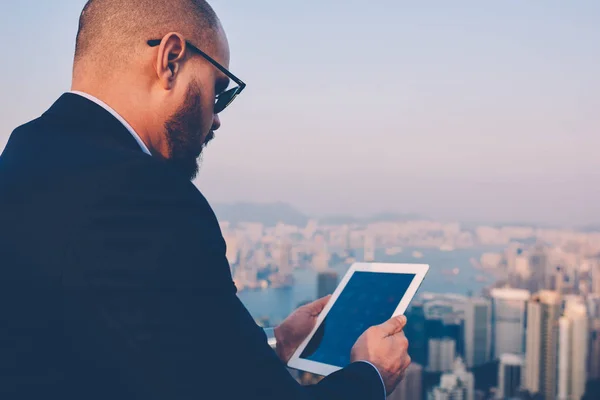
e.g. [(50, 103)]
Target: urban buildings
[(478, 331), (596, 277), (327, 282), (573, 352), (538, 262), (411, 386), (508, 318), (510, 371), (522, 268), (541, 358), (369, 249), (457, 385), (442, 353), (416, 333), (489, 333)]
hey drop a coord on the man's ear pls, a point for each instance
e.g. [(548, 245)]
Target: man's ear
[(169, 59)]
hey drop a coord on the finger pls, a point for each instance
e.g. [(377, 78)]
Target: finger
[(393, 325), (318, 306)]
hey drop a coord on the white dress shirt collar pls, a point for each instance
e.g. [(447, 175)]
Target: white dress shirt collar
[(117, 116)]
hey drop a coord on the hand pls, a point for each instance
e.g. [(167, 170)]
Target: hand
[(386, 347), (292, 332)]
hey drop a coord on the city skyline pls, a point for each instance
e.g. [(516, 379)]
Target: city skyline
[(271, 213), (465, 111)]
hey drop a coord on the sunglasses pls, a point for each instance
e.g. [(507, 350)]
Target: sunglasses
[(224, 99)]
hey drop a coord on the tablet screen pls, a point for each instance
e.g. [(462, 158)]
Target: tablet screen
[(369, 298)]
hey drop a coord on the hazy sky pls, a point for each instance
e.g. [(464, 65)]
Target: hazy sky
[(470, 110)]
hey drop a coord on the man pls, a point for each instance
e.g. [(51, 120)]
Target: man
[(113, 274)]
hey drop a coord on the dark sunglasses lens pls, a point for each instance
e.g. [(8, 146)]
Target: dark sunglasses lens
[(225, 99)]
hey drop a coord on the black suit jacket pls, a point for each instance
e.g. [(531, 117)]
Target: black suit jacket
[(114, 282)]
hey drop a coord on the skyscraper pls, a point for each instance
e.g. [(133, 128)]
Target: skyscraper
[(596, 276), (543, 312), (509, 376), (416, 333), (411, 386), (327, 282), (573, 352), (285, 254), (369, 248), (538, 262), (457, 385), (453, 328), (232, 248), (310, 229), (522, 267), (508, 320), (442, 353), (477, 332), (321, 259)]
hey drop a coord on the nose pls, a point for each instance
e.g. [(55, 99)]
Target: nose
[(216, 122)]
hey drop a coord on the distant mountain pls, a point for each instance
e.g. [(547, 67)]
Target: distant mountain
[(269, 214)]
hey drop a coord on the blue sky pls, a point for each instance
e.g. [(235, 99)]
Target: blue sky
[(464, 110)]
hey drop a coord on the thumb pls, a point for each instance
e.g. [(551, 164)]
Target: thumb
[(393, 326), (317, 306)]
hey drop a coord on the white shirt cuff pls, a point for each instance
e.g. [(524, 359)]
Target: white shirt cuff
[(380, 377)]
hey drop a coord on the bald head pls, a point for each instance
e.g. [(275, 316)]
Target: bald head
[(111, 32), (167, 89)]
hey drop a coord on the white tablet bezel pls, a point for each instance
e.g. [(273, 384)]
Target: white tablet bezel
[(419, 270)]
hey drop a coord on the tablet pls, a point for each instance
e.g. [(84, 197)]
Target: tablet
[(368, 295)]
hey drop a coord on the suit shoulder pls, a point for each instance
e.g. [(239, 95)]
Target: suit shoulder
[(146, 179), (21, 133)]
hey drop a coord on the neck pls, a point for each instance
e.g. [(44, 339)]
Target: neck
[(128, 103)]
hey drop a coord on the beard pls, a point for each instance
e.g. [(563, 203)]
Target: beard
[(185, 136)]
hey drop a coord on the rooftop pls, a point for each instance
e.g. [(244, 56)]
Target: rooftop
[(510, 294), (511, 359)]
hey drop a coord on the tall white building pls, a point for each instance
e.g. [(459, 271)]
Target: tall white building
[(369, 248), (310, 229), (321, 259), (231, 242), (508, 320), (284, 257), (573, 352), (457, 385), (477, 331), (411, 386), (522, 266), (543, 312), (510, 371), (596, 277), (442, 353)]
